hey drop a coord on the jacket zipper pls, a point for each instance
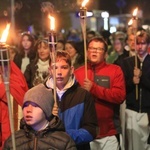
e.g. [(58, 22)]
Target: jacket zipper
[(35, 143)]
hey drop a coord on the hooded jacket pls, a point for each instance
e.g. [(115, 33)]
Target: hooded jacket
[(77, 111), (52, 137)]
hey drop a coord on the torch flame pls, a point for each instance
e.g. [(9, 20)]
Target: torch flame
[(52, 22), (135, 12), (5, 34), (84, 3), (130, 22)]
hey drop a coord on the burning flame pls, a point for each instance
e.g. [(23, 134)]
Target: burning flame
[(130, 22), (84, 3), (52, 22), (5, 34), (135, 12)]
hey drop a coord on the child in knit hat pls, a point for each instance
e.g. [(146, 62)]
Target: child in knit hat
[(39, 128)]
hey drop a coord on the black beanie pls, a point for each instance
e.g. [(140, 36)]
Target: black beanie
[(41, 96)]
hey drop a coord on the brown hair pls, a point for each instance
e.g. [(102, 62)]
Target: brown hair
[(143, 35), (60, 54), (99, 39)]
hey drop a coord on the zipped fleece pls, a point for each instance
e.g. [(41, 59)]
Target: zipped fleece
[(109, 92)]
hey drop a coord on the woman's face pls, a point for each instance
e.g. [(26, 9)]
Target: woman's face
[(70, 49), (43, 51), (26, 43), (118, 46)]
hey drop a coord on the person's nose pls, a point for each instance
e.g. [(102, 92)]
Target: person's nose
[(140, 45), (29, 108), (58, 71)]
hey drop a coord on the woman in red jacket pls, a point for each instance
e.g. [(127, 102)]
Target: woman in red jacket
[(18, 87)]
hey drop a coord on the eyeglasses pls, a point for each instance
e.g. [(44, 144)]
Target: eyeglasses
[(141, 43), (98, 49)]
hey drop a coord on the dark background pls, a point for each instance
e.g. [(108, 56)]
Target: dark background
[(28, 12)]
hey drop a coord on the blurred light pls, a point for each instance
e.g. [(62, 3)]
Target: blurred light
[(93, 23), (114, 20), (113, 29), (88, 14), (146, 27), (62, 30), (130, 22), (105, 14)]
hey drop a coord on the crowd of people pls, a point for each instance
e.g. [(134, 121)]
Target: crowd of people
[(105, 108)]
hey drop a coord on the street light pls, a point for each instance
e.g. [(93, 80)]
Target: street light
[(105, 16)]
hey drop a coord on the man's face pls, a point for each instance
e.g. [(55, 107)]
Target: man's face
[(131, 42), (63, 73), (96, 52), (34, 116), (142, 47)]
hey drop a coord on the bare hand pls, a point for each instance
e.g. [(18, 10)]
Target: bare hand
[(55, 110), (136, 80), (137, 72), (88, 84)]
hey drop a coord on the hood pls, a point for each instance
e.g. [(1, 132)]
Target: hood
[(70, 83)]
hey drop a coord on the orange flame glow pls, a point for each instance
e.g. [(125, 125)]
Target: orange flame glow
[(52, 22), (135, 12), (5, 34), (130, 22), (84, 3)]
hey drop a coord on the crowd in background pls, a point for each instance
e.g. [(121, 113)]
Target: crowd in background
[(31, 54)]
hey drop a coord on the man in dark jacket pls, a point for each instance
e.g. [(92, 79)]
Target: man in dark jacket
[(40, 130), (76, 105), (137, 76)]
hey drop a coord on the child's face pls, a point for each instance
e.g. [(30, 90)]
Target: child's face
[(26, 43), (63, 73), (34, 116)]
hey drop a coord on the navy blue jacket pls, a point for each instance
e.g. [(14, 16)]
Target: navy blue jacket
[(77, 111)]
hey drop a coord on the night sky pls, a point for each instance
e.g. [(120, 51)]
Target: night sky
[(110, 5)]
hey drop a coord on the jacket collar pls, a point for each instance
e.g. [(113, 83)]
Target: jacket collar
[(55, 124), (96, 66)]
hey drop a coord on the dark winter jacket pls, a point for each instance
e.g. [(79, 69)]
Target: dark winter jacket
[(143, 102), (18, 58), (77, 111), (52, 137)]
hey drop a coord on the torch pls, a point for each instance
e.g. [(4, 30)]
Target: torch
[(52, 44), (4, 62), (83, 11), (134, 27)]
